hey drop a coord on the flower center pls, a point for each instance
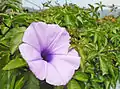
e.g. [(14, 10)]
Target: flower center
[(46, 55)]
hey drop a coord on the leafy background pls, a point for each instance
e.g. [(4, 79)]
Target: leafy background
[(96, 39)]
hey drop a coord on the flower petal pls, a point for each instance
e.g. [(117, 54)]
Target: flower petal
[(73, 52), (41, 35), (72, 57), (30, 37), (65, 69), (61, 42), (53, 77), (28, 52), (39, 68)]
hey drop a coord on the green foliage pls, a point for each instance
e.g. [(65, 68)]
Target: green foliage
[(30, 82), (10, 5), (16, 63), (98, 44), (73, 84), (80, 76)]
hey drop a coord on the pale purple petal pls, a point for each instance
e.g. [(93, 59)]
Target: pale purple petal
[(41, 35), (72, 57), (39, 68), (30, 37), (29, 53), (53, 76), (73, 52), (65, 69), (60, 43)]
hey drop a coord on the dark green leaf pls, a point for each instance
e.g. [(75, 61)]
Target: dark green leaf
[(59, 87), (31, 82), (4, 59), (92, 7), (19, 84)]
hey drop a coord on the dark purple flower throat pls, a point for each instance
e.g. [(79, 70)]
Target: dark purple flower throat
[(46, 55)]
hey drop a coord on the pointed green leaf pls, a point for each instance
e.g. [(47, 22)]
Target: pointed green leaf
[(31, 82), (73, 84), (103, 66), (19, 84), (16, 39), (16, 63), (81, 76)]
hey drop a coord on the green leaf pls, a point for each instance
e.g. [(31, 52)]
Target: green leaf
[(19, 84), (107, 84), (92, 55), (95, 37), (83, 57), (7, 79), (92, 7), (6, 26), (4, 59), (73, 84), (15, 42), (88, 86), (68, 20), (30, 81), (98, 80), (80, 19), (16, 39), (96, 9), (16, 63), (13, 82), (96, 85), (103, 66), (59, 87), (81, 76), (89, 69), (118, 58), (3, 47)]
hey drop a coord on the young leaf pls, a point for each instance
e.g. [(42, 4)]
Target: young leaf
[(80, 19), (81, 76), (73, 84), (103, 66), (16, 63), (92, 7)]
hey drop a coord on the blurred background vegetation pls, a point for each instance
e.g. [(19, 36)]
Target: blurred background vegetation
[(96, 39)]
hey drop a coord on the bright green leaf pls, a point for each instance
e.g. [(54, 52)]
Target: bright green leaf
[(81, 76), (73, 84), (15, 63), (103, 66)]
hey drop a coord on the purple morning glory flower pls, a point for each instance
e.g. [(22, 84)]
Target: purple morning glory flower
[(45, 48)]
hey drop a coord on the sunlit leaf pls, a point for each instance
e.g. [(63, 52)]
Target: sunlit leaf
[(16, 63), (73, 84), (81, 76)]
